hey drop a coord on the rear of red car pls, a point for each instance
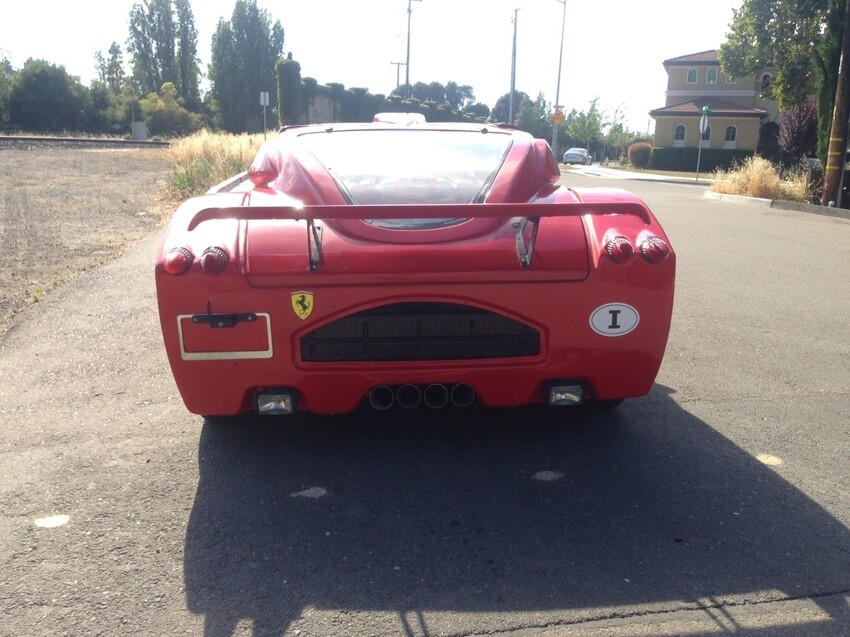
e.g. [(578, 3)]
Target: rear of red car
[(407, 265)]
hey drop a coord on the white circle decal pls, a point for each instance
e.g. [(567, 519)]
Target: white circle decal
[(614, 319)]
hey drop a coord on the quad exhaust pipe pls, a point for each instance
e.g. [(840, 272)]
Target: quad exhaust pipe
[(435, 396)]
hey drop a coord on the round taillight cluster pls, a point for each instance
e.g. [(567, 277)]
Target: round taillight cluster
[(620, 249), (655, 250), (178, 261), (214, 260)]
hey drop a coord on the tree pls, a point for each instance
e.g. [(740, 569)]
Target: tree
[(245, 50), (111, 71), (188, 72), (163, 45), (798, 135), (5, 91), (45, 98), (289, 91), (586, 126), (802, 39), (152, 44), (165, 115), (533, 117), (500, 110)]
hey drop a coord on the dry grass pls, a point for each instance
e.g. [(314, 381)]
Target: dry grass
[(204, 159), (65, 211), (757, 177)]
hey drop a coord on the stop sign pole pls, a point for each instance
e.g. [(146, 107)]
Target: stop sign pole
[(703, 125)]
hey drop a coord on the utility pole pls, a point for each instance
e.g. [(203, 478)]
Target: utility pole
[(513, 75), (838, 132), (398, 66), (558, 116), (407, 62)]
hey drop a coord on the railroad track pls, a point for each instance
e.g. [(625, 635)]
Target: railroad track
[(31, 142)]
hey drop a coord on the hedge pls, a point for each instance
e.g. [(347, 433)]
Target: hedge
[(685, 159)]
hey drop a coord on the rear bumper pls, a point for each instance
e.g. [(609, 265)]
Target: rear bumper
[(218, 370)]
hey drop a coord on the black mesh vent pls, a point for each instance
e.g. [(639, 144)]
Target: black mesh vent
[(420, 332)]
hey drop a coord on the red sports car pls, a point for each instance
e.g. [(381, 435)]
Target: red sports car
[(399, 263)]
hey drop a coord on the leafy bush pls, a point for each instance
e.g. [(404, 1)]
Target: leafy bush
[(640, 154), (165, 115), (758, 177)]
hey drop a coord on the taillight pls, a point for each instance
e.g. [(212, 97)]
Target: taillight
[(620, 249), (178, 261), (262, 170), (655, 250), (214, 260)]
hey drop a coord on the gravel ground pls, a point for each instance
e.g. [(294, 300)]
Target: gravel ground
[(65, 210)]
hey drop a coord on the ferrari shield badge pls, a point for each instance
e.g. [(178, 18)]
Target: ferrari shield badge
[(302, 303)]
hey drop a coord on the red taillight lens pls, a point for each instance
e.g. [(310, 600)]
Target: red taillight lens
[(178, 261), (214, 260), (620, 249), (655, 250)]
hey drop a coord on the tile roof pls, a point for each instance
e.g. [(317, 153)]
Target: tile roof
[(703, 57), (693, 108)]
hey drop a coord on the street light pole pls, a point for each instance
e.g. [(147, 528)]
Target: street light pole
[(555, 123), (407, 62)]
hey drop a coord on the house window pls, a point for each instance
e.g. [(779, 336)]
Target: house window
[(766, 81), (711, 76), (731, 139), (692, 76), (706, 138), (731, 80), (679, 136)]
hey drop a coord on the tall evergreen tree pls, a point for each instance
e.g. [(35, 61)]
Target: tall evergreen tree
[(244, 52), (188, 72), (163, 44)]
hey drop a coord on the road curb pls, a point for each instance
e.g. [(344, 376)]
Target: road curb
[(779, 204)]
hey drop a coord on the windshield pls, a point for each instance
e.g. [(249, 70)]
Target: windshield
[(411, 166)]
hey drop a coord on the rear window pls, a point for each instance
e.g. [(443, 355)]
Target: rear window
[(411, 166)]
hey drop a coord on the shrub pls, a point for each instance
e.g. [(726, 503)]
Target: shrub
[(758, 177), (204, 159), (639, 154)]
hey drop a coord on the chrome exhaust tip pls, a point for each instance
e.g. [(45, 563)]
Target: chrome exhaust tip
[(381, 397), (436, 396), (463, 395)]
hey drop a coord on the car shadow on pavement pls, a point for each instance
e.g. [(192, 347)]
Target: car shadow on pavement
[(421, 514)]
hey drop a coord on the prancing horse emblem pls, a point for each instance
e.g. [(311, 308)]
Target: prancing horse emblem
[(302, 303)]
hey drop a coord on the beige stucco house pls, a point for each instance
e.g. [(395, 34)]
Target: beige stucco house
[(738, 111)]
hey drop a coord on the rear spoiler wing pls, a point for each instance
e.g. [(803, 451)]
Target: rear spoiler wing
[(520, 211), (530, 211)]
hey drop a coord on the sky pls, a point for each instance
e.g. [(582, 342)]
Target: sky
[(613, 49)]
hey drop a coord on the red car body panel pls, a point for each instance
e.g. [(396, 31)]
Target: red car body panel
[(301, 260)]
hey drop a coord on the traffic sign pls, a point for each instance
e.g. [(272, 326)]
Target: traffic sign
[(558, 117)]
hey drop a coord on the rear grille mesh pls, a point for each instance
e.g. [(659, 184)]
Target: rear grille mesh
[(420, 332)]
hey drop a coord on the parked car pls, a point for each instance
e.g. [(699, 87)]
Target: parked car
[(578, 156), (399, 262)]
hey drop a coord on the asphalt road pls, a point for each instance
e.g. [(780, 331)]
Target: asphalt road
[(717, 505)]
